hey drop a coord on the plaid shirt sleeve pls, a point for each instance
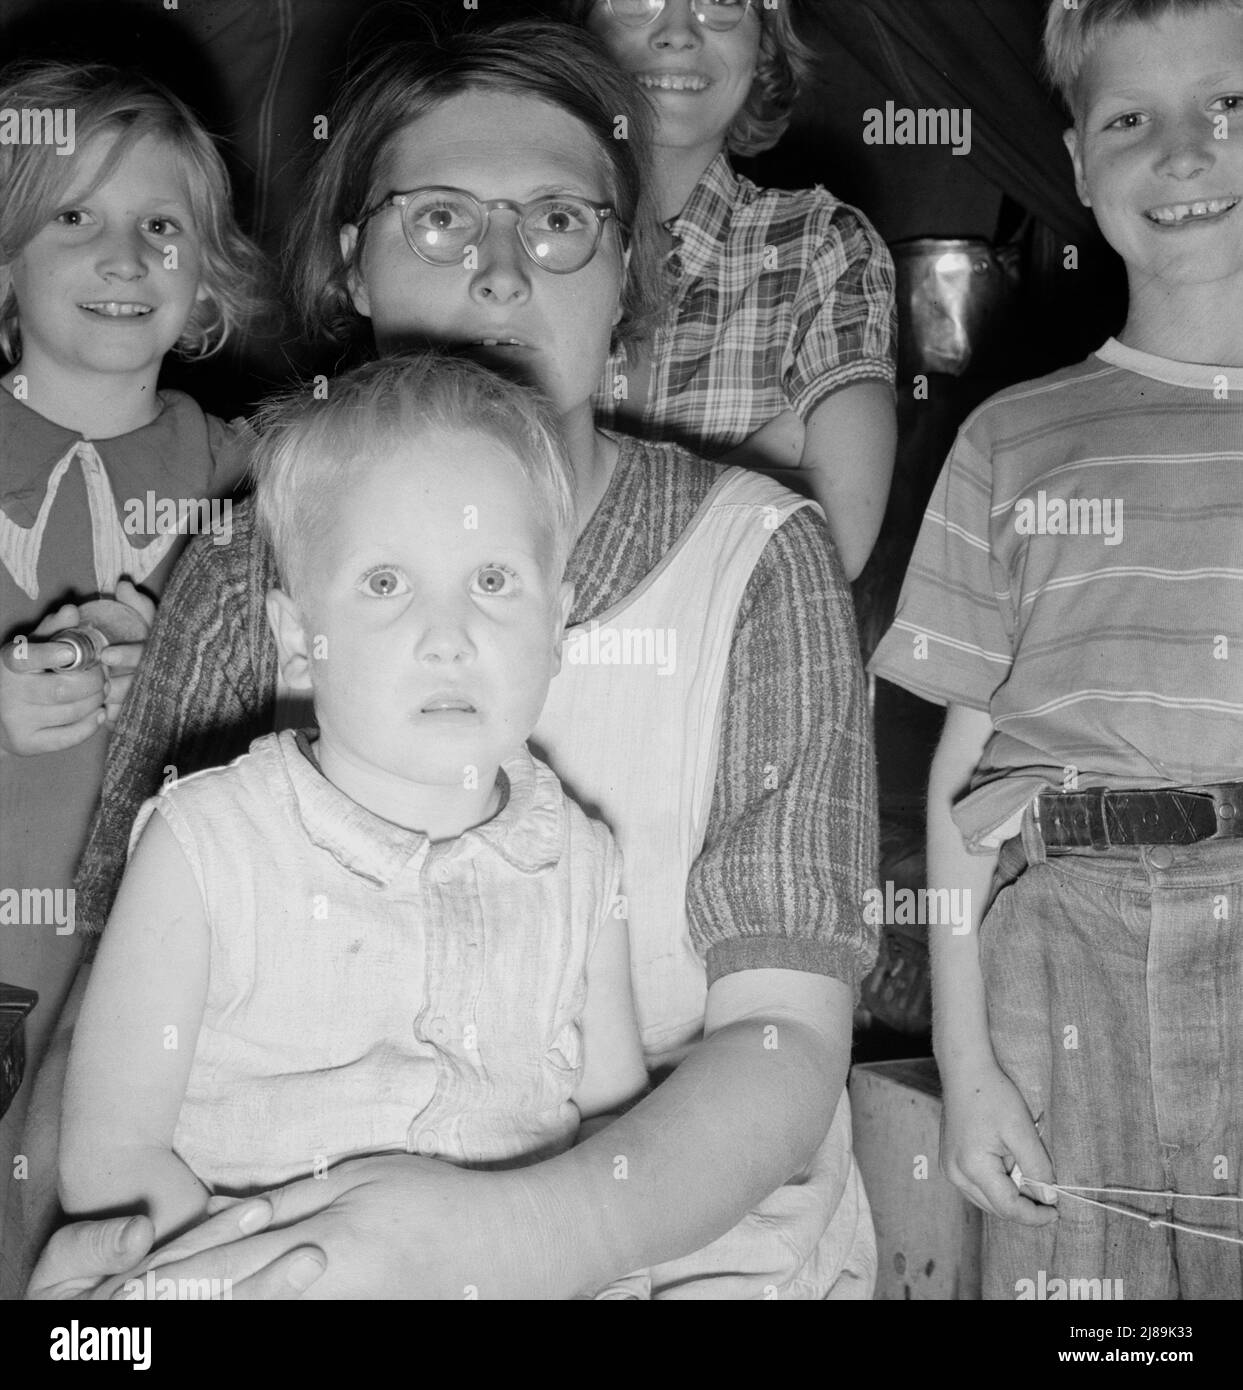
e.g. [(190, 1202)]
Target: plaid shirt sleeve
[(845, 319), (791, 845)]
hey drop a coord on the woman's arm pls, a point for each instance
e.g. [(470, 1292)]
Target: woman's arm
[(841, 376), (732, 1123), (843, 456), (848, 456), (747, 1108), (134, 1044)]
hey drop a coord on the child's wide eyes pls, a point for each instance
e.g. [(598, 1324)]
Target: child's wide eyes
[(495, 580), (72, 217), (383, 582), (1130, 120), (1232, 105), (157, 225), (162, 226)]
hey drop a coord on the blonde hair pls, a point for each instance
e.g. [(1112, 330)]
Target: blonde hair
[(309, 450), (783, 70), (1071, 33), (107, 101)]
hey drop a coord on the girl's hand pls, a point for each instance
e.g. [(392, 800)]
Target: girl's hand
[(96, 1260), (78, 1259), (48, 711), (984, 1123), (120, 660)]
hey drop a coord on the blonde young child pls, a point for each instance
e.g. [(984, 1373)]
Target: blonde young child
[(117, 246), (775, 347), (395, 932)]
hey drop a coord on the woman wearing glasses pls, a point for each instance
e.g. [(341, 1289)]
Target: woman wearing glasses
[(734, 768), (775, 347)]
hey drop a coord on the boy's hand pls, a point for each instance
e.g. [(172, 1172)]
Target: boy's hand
[(48, 711), (985, 1129), (120, 659)]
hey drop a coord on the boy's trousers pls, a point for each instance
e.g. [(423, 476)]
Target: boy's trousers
[(1114, 983)]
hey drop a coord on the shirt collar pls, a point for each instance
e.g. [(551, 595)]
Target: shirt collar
[(171, 454), (1172, 373), (526, 832), (703, 224)]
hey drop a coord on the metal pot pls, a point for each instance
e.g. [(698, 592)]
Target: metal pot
[(953, 297)]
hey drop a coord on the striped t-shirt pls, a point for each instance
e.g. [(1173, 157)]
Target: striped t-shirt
[(1079, 574)]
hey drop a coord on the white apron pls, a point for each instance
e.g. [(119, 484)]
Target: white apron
[(632, 728)]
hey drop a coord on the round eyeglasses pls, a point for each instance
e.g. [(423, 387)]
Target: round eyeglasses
[(713, 14), (560, 233)]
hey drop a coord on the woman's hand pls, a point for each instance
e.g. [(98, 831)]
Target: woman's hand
[(394, 1226), (47, 711)]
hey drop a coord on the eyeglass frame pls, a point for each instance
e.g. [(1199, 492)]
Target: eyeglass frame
[(604, 212), (656, 14)]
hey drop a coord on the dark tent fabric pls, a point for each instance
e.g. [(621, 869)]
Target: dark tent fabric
[(264, 69), (980, 55)]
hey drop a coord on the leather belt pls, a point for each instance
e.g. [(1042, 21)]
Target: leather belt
[(1100, 817)]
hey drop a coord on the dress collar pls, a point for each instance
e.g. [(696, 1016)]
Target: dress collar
[(171, 454), (526, 832)]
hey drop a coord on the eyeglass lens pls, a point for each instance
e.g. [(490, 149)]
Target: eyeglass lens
[(714, 14), (559, 234)]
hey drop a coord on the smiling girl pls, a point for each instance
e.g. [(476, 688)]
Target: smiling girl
[(112, 254), (775, 347)]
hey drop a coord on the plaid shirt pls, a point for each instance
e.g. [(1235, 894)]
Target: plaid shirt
[(776, 300)]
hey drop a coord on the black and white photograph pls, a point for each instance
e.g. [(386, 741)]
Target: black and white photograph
[(528, 533)]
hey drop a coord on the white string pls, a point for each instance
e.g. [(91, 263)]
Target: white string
[(1140, 1192), (1152, 1222)]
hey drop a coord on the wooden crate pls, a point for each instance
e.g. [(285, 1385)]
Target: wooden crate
[(927, 1235)]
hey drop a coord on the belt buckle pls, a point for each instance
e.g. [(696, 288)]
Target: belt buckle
[(1084, 815)]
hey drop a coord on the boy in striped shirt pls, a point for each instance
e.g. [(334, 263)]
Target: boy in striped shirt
[(1073, 600)]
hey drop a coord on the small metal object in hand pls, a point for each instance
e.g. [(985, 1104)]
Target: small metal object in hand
[(104, 621)]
